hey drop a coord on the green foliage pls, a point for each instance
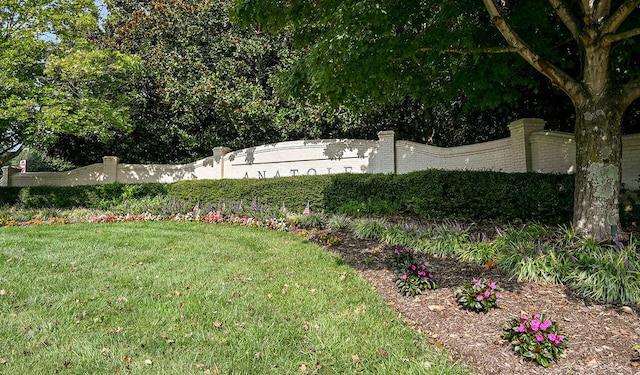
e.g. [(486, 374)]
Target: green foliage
[(94, 196), (52, 79), (338, 221), (478, 295), (456, 195), (292, 192), (609, 274), (369, 228), (413, 277), (537, 338), (38, 161)]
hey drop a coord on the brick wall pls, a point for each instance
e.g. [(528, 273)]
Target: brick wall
[(529, 148)]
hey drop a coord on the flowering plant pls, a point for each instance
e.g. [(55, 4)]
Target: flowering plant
[(478, 295), (330, 240), (402, 258), (536, 338), (415, 279)]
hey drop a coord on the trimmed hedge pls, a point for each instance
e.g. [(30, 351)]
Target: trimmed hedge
[(293, 192), (468, 195), (67, 197), (435, 194)]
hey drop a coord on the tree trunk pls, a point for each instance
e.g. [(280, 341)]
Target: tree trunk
[(598, 135)]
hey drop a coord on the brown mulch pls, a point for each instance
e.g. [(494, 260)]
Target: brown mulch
[(601, 337)]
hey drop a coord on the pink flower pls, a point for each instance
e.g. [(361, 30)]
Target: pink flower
[(404, 276), (559, 339), (535, 325), (497, 295), (546, 324), (413, 267), (492, 286), (552, 337), (539, 337), (521, 328), (487, 294), (480, 297), (536, 316), (430, 276), (398, 251), (423, 266)]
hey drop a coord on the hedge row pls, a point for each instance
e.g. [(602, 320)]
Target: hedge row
[(431, 194)]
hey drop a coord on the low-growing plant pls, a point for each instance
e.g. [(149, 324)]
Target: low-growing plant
[(536, 338), (330, 240), (480, 250), (537, 261), (415, 279), (478, 295), (338, 221), (395, 235), (312, 220), (370, 229), (606, 273), (401, 259)]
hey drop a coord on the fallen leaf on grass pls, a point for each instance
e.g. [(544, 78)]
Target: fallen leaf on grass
[(355, 358), (302, 368), (257, 355), (3, 361), (127, 359), (2, 292), (148, 362), (217, 324), (383, 353)]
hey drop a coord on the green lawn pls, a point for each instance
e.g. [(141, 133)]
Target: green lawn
[(182, 298)]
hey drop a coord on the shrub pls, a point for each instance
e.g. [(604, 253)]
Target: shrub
[(413, 277), (536, 338), (478, 295)]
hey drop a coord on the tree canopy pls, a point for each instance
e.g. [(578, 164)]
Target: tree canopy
[(52, 79), (484, 52)]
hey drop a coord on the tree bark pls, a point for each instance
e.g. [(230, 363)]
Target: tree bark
[(598, 168)]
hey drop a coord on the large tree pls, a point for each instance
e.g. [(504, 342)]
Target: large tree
[(481, 50), (52, 79)]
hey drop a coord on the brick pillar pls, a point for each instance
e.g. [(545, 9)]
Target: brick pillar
[(7, 172), (520, 144), (385, 158), (110, 169), (218, 161)]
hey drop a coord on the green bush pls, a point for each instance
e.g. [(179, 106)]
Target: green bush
[(65, 197), (433, 194), (292, 192)]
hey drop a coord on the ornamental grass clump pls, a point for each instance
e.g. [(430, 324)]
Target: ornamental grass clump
[(413, 277), (478, 295), (536, 338)]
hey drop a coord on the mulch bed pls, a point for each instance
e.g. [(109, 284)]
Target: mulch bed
[(601, 337)]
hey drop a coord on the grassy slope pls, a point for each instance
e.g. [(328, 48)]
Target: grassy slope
[(169, 298)]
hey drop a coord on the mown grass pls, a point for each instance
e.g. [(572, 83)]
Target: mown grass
[(192, 298)]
